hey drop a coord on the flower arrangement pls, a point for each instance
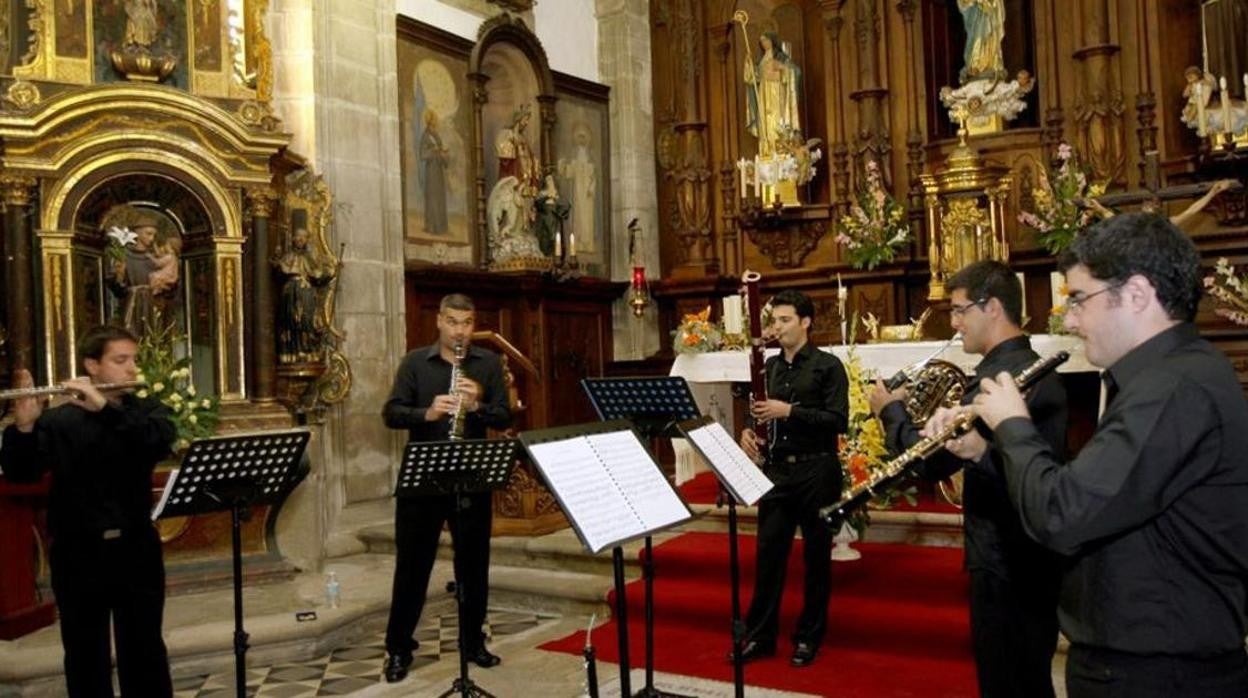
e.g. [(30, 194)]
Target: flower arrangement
[(168, 379), (696, 334), (1230, 290), (1060, 213), (861, 448), (876, 224)]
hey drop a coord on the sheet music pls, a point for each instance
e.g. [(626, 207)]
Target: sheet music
[(164, 495), (734, 467), (609, 486)]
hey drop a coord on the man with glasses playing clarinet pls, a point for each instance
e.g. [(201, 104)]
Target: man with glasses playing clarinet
[(424, 402), (106, 556), (1153, 512), (807, 406), (1014, 581)]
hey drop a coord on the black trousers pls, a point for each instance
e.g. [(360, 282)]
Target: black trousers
[(794, 504), (417, 524), (1100, 673), (122, 580), (1014, 633)]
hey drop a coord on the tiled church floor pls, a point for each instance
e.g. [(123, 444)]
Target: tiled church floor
[(357, 666)]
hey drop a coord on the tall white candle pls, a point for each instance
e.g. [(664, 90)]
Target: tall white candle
[(733, 323), (741, 168), (1200, 109), (1226, 106), (571, 244), (1022, 287)]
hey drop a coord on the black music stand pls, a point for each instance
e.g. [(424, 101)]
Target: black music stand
[(567, 439), (733, 496), (235, 473), (654, 404), (457, 468)]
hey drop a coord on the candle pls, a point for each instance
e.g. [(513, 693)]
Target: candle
[(1200, 109), (1226, 106), (757, 188), (1057, 282), (741, 169), (733, 323), (558, 245), (571, 244), (1022, 290)]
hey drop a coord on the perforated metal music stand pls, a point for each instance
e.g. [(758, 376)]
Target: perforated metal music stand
[(654, 404), (457, 468), (235, 473)]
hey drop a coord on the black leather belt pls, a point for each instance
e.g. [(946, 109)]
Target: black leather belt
[(111, 534), (802, 457)]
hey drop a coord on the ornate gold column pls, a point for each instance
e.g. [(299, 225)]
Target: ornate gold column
[(479, 98), (873, 138), (260, 203), (20, 308), (56, 261), (914, 137), (832, 23), (228, 254)]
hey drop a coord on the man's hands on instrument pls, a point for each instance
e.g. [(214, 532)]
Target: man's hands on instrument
[(970, 446), (471, 392), (85, 394), (768, 410), (749, 444), (881, 396), (442, 406), (26, 410), (999, 400)]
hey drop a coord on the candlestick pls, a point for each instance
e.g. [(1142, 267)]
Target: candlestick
[(1226, 106), (741, 168), (842, 295), (757, 186), (1201, 128), (571, 244), (558, 245), (1022, 290)]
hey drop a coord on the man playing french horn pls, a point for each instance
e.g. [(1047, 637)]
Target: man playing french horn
[(1014, 581), (424, 402)]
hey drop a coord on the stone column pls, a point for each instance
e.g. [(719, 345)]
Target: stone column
[(18, 191), (624, 65), (263, 350)]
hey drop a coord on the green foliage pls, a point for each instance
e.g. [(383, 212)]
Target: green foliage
[(168, 379)]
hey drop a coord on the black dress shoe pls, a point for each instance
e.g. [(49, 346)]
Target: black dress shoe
[(754, 649), (804, 654), (396, 667), (484, 658)]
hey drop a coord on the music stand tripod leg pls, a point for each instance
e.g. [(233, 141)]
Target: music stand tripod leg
[(462, 686)]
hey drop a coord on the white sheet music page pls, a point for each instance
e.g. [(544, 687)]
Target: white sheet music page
[(731, 463), (586, 491), (640, 481), (164, 496)]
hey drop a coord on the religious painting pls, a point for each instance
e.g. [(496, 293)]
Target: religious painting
[(207, 23), (71, 28), (582, 171), (135, 39), (435, 136)]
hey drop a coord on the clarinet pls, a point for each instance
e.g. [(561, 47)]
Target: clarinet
[(758, 369), (457, 417), (860, 494)]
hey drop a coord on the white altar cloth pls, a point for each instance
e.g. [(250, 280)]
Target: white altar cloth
[(712, 374)]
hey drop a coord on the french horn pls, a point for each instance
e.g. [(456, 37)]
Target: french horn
[(937, 384)]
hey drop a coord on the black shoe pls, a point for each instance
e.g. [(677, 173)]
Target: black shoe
[(804, 654), (754, 649), (484, 658), (396, 666)]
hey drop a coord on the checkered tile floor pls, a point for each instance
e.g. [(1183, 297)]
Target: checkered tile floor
[(356, 666)]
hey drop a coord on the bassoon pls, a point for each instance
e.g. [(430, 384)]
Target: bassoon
[(758, 371), (895, 469)]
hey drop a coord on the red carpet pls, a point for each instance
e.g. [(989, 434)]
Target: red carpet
[(897, 626)]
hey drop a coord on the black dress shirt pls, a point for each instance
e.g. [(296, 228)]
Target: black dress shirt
[(994, 537), (424, 374), (1155, 507), (101, 463), (816, 385)]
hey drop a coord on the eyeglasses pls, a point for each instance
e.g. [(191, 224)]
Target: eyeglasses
[(960, 310), (1075, 301)]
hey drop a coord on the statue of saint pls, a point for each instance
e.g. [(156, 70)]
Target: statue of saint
[(515, 157), (145, 276), (298, 337), (433, 160), (141, 25), (773, 92), (985, 29)]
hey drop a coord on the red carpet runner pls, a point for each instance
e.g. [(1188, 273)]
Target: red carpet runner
[(897, 626)]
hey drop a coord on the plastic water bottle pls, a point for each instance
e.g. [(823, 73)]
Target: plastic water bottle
[(333, 591)]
